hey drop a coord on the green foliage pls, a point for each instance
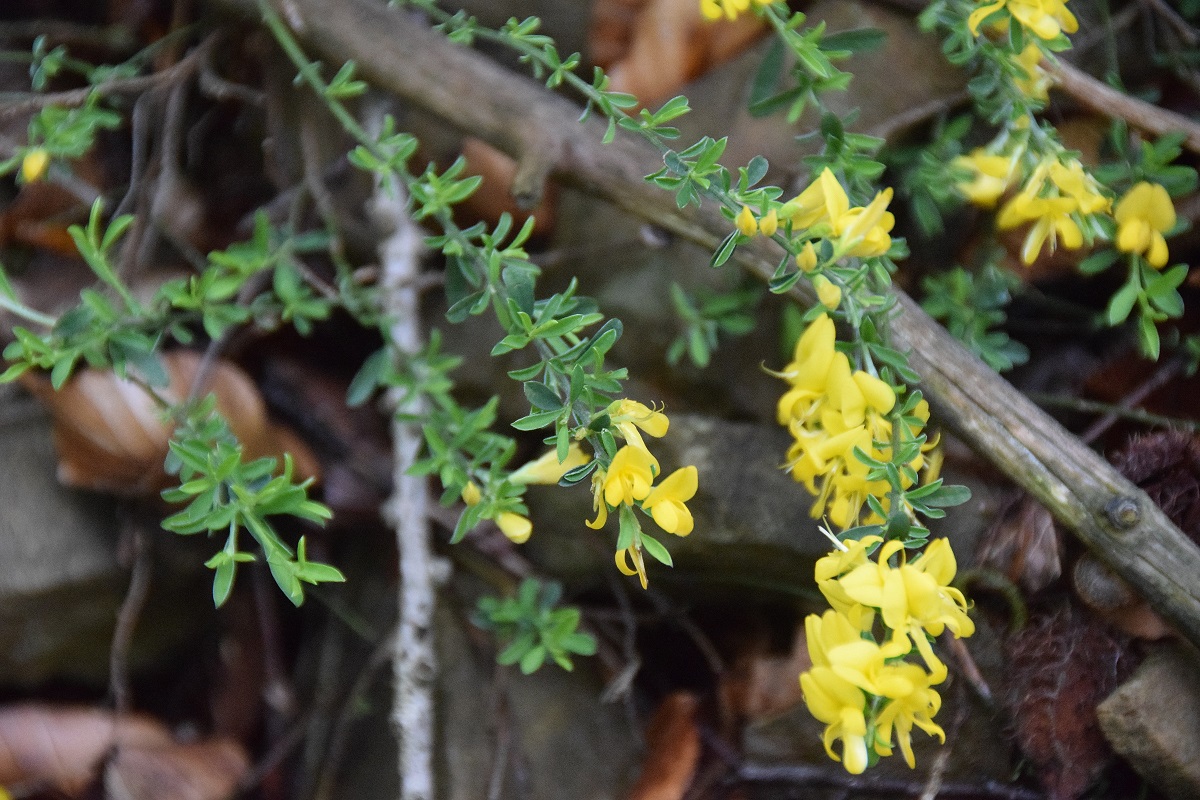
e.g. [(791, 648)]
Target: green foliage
[(925, 177), (970, 305), (707, 315), (534, 628), (225, 493)]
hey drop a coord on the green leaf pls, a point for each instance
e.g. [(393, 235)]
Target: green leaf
[(1122, 303), (542, 397), (947, 496), (656, 550), (533, 659), (855, 41), (537, 420), (724, 250), (368, 378)]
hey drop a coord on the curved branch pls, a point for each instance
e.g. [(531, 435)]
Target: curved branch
[(1083, 491)]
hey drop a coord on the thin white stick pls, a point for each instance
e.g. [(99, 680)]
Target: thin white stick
[(414, 661)]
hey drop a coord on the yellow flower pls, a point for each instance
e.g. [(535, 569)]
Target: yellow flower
[(993, 175), (715, 9), (1143, 215), (769, 223), (471, 494), (639, 565), (910, 702), (747, 225), (629, 415), (806, 259), (1052, 219), (863, 232), (824, 200), (34, 165), (1036, 83), (830, 695), (1046, 19), (547, 469), (516, 527), (914, 598), (829, 293), (666, 501), (626, 481), (1072, 180)]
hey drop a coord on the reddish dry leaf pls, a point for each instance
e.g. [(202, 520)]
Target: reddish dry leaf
[(39, 217), (672, 750), (651, 48), (208, 770), (1063, 664), (495, 195), (110, 434), (43, 746), (760, 684)]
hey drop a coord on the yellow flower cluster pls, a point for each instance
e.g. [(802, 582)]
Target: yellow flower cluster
[(1045, 19), (831, 409), (748, 224), (715, 9), (1054, 199), (867, 695), (546, 469), (1058, 201), (629, 482), (824, 209)]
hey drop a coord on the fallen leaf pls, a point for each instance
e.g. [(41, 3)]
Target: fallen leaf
[(651, 48), (208, 770), (111, 436), (760, 684), (672, 750), (60, 748), (495, 195)]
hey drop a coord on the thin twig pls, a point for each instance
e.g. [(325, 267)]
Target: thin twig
[(1095, 407), (340, 734), (1104, 99), (414, 660), (1166, 372), (128, 615), (898, 123), (77, 97)]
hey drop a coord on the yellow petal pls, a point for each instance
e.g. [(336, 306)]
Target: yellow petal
[(747, 225), (516, 527)]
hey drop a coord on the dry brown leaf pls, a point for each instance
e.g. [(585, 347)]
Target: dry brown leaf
[(651, 48), (60, 748), (110, 434), (672, 750), (39, 217), (760, 684), (495, 195), (208, 770)]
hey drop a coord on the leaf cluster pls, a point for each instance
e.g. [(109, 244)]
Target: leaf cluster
[(971, 305), (224, 492), (535, 627)]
